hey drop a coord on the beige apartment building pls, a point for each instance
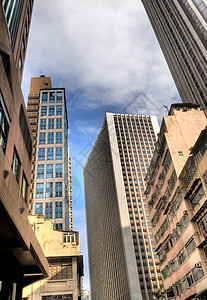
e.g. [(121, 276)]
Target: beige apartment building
[(122, 261), (65, 263), (175, 191)]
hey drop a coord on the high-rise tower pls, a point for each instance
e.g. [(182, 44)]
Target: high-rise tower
[(18, 18), (181, 30), (51, 175), (122, 261)]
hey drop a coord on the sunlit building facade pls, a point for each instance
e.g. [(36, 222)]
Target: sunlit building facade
[(51, 177), (176, 195), (181, 29), (122, 261)]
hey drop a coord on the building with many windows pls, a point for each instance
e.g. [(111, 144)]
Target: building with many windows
[(122, 261), (51, 176), (18, 19), (176, 195), (21, 257), (181, 29)]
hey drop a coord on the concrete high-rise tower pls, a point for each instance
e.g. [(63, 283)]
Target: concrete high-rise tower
[(51, 176), (181, 30), (122, 261)]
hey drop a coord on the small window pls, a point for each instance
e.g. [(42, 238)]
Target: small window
[(50, 153), (180, 153), (49, 171), (49, 190), (58, 137), (44, 97), (41, 154), (59, 110), (58, 170), (48, 210), (58, 155), (52, 97), (50, 138), (58, 210), (4, 125), (59, 97), (42, 124), (43, 110), (24, 188), (58, 189), (59, 123), (16, 165), (51, 110), (39, 190), (40, 171), (42, 138), (38, 208), (50, 123)]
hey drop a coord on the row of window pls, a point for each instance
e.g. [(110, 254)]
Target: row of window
[(50, 110), (51, 123), (49, 193), (50, 138), (52, 97), (49, 171), (50, 153), (48, 210), (16, 165)]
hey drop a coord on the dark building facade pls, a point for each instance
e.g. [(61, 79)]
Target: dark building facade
[(21, 257), (18, 18), (181, 29)]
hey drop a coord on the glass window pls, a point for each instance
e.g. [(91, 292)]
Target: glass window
[(40, 171), (49, 171), (39, 190), (42, 123), (59, 97), (24, 187), (42, 138), (44, 97), (58, 189), (58, 170), (38, 208), (4, 125), (58, 137), (59, 123), (50, 153), (50, 138), (43, 110), (16, 165), (59, 110), (58, 226), (48, 210), (198, 273), (58, 153), (50, 123), (52, 97), (41, 154), (58, 210), (51, 110), (49, 190)]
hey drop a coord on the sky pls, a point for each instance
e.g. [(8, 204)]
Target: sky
[(105, 54)]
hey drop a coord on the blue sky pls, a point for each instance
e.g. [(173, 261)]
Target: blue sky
[(104, 53)]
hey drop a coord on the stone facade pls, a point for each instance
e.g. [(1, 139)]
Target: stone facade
[(65, 263)]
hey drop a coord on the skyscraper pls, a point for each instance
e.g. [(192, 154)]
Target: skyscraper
[(181, 30), (122, 261), (51, 176), (18, 18)]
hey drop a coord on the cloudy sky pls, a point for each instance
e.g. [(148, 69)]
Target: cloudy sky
[(106, 56)]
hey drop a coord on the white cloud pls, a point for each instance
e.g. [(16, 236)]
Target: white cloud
[(87, 129), (105, 49)]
